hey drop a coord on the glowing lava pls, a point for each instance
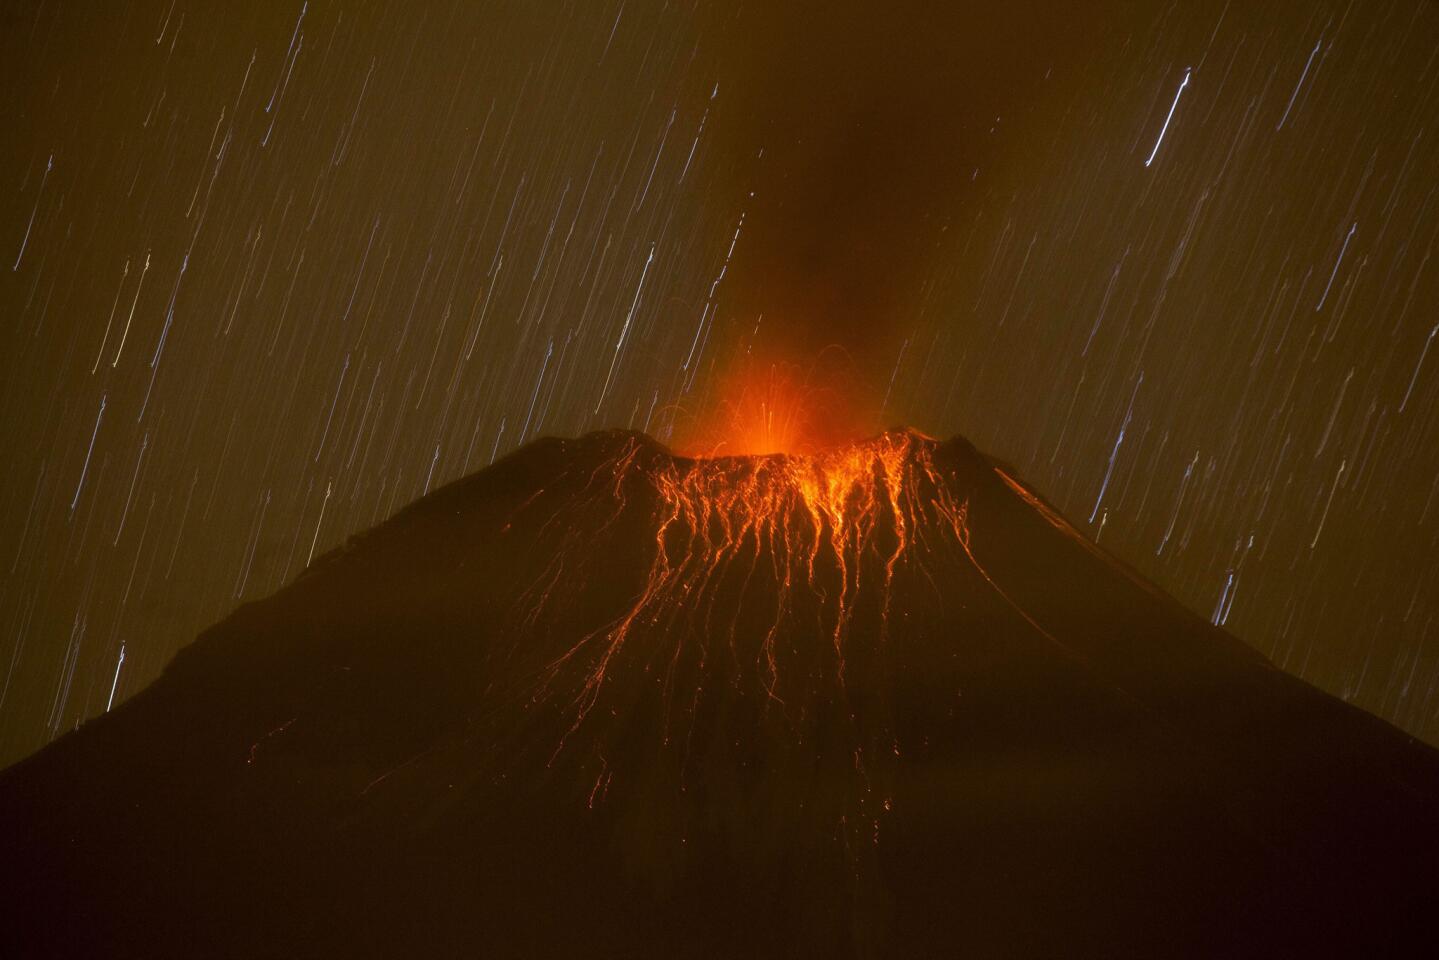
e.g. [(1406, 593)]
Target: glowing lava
[(778, 407), (755, 633), (753, 549)]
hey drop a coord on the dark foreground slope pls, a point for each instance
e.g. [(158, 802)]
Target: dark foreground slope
[(601, 701)]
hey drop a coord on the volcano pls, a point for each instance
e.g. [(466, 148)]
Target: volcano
[(602, 700)]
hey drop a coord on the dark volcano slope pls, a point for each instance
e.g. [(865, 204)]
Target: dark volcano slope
[(598, 700)]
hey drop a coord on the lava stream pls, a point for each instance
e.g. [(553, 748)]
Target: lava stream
[(801, 537)]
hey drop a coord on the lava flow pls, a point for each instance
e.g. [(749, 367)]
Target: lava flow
[(753, 549)]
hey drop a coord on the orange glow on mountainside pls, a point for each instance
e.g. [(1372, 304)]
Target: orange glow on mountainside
[(785, 545)]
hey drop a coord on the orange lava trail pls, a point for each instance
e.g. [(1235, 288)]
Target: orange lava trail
[(829, 524)]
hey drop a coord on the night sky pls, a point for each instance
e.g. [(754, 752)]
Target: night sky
[(272, 271)]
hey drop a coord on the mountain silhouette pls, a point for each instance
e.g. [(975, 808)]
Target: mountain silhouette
[(601, 700)]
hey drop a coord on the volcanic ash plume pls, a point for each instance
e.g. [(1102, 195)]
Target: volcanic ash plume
[(854, 137)]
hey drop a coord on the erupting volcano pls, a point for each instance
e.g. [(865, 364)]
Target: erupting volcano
[(876, 699)]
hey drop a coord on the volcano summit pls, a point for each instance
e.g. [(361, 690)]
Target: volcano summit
[(602, 700)]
